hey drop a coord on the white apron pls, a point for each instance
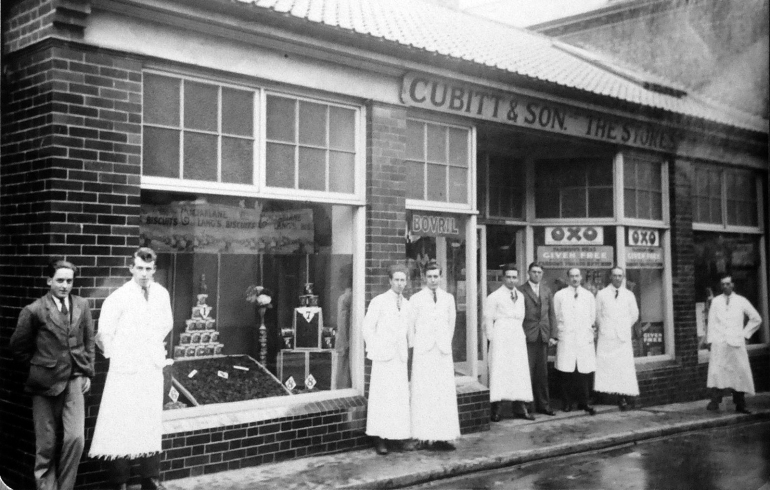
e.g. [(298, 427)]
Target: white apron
[(508, 362), (615, 317), (575, 318), (729, 368)]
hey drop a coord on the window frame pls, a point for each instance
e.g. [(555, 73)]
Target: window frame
[(724, 226), (257, 188), (446, 206)]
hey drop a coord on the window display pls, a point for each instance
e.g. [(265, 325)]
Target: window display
[(258, 278), (574, 188)]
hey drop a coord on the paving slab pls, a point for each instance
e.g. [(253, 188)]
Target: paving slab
[(509, 442)]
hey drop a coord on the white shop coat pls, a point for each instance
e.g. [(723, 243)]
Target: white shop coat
[(575, 318), (508, 361), (615, 319), (729, 362), (433, 391)]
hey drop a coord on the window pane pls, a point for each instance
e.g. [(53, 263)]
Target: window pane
[(160, 152), (415, 139), (312, 169), (644, 175), (716, 210), (342, 129), (437, 183), (161, 100), (715, 186), (200, 106), (342, 172), (599, 173), (573, 203), (415, 180), (237, 160), (458, 185), (630, 203), (312, 124), (200, 156), (655, 182), (702, 182), (458, 147), (279, 166), (280, 119), (732, 213), (644, 205), (436, 144), (656, 205), (600, 203), (237, 112), (629, 174)]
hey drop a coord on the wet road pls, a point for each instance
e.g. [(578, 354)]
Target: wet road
[(729, 458)]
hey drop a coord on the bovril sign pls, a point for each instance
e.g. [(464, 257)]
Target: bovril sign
[(435, 224), (574, 235)]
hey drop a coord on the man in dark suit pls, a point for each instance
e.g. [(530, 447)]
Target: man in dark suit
[(54, 340), (539, 323)]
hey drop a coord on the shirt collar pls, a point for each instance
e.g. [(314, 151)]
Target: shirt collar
[(58, 302), (535, 287)]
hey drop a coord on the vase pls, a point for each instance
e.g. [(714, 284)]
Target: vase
[(262, 336)]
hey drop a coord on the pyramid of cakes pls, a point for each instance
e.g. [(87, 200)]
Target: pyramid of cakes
[(200, 338)]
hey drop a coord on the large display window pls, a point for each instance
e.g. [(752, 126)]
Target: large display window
[(266, 279)]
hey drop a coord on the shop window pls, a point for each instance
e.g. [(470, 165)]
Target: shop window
[(578, 188), (310, 145), (733, 253), (438, 163), (506, 192), (197, 131), (222, 245), (725, 196), (643, 194)]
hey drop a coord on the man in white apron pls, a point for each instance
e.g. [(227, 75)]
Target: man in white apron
[(435, 420), (133, 323), (508, 362), (726, 335), (616, 315), (575, 351), (385, 332)]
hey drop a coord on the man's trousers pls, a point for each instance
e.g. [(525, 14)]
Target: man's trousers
[(537, 352), (56, 462)]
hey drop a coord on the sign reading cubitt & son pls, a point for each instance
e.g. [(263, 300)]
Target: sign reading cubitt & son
[(571, 256), (435, 224), (479, 102)]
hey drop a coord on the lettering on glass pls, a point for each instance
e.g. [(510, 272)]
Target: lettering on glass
[(643, 237), (574, 235), (435, 225)]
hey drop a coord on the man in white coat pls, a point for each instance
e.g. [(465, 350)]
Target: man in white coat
[(435, 421), (726, 337), (133, 323), (616, 314), (385, 332), (508, 361), (575, 350)]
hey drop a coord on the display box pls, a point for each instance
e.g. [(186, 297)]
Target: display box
[(308, 328), (321, 363)]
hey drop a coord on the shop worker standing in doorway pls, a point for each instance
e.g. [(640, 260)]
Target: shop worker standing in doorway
[(616, 315), (54, 340), (539, 327), (508, 363), (726, 336), (435, 422), (385, 332), (133, 323), (575, 352)]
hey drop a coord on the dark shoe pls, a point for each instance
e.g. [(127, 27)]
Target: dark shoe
[(495, 417), (743, 409), (442, 446), (152, 484), (567, 407), (623, 405), (547, 411), (525, 416), (588, 409), (381, 447), (713, 406)]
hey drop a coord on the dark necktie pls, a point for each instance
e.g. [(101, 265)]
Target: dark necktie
[(435, 299), (64, 310), (514, 297), (576, 293), (727, 300), (146, 292), (616, 293), (398, 303)]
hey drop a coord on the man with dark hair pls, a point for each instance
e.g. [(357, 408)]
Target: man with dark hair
[(576, 352), (508, 364), (435, 420), (54, 340), (385, 332), (539, 328), (616, 315), (134, 321), (726, 337)]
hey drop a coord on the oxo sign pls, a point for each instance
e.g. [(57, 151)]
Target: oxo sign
[(574, 235)]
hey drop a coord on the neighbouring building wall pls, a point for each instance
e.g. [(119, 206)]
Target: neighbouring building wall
[(718, 48)]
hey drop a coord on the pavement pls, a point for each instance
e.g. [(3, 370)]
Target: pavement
[(509, 442)]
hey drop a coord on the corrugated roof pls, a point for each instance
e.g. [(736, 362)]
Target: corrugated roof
[(434, 29)]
